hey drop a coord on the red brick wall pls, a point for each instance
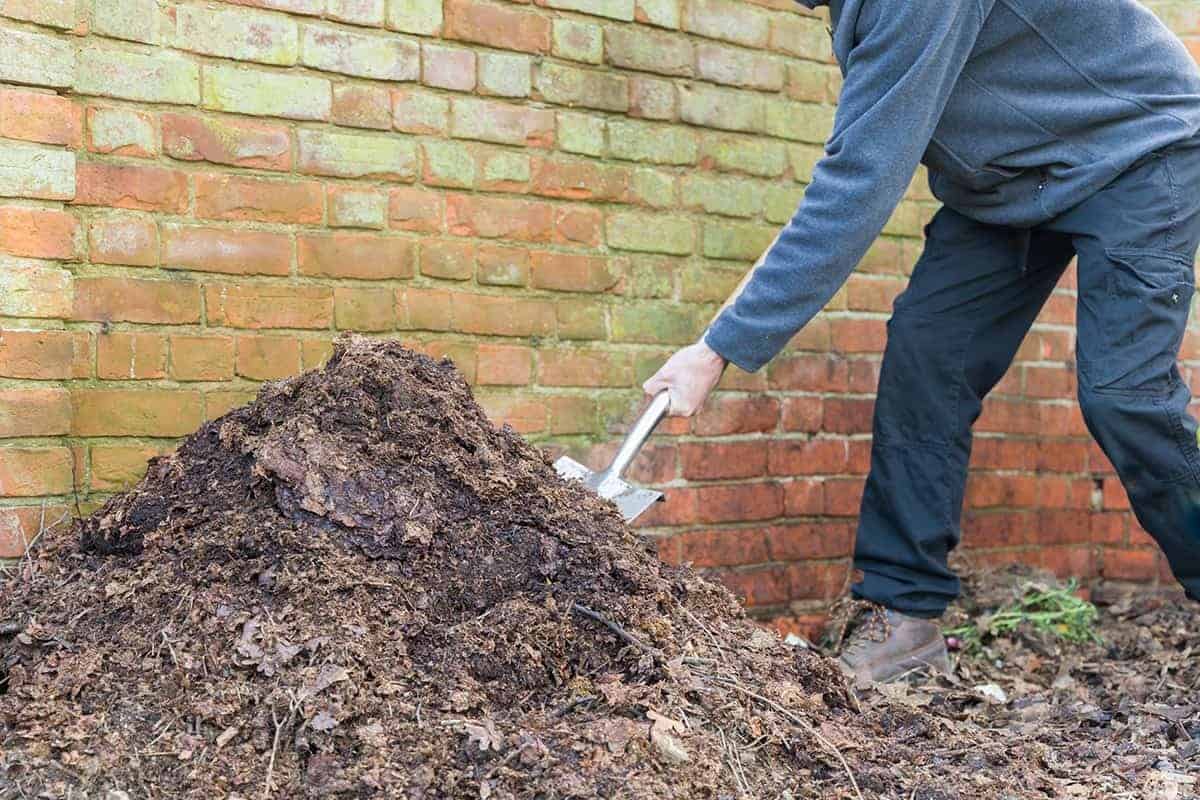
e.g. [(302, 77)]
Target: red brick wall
[(198, 196)]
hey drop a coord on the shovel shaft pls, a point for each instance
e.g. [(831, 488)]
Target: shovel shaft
[(639, 433)]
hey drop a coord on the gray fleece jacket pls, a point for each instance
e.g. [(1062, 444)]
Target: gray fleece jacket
[(1020, 109)]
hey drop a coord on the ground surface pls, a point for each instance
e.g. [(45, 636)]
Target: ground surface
[(358, 587)]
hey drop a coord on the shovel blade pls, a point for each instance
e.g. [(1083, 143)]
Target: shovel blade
[(630, 500)]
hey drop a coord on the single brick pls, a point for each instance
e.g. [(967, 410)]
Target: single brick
[(119, 467), (122, 132), (353, 255), (356, 156), (266, 94), (580, 320), (415, 16), (652, 188), (219, 403), (504, 365), (268, 306), (502, 316), (803, 122), (734, 67), (581, 133), (660, 144), (126, 239), (447, 67), (649, 51), (32, 170), (493, 121), (663, 13), (267, 358), (34, 412), (412, 209), (571, 86), (164, 77), (753, 155), (135, 412), (505, 74), (238, 143), (355, 207), (496, 26), (135, 20), (655, 323), (522, 415), (613, 9), (33, 289), (725, 109), (780, 203), (729, 20), (651, 98), (580, 367), (364, 308), (128, 186), (131, 356), (36, 59), (115, 299), (237, 34), (35, 471), (43, 355), (651, 233), (385, 58), (38, 233), (362, 106), (499, 265), (414, 111), (739, 241), (504, 171), (578, 224), (568, 272), (40, 117), (454, 261), (54, 13), (449, 163), (423, 309), (312, 8), (201, 358), (223, 250), (805, 37), (803, 160), (730, 197), (577, 41), (315, 352), (358, 12), (580, 179), (499, 218), (234, 197)]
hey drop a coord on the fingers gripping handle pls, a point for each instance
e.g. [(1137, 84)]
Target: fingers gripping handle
[(639, 433)]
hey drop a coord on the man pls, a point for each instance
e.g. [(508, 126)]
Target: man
[(1052, 129)]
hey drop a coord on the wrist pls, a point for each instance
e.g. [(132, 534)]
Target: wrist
[(709, 353)]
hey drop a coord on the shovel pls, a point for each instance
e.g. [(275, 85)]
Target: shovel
[(631, 500)]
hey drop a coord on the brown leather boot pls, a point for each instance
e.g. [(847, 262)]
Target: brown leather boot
[(886, 644)]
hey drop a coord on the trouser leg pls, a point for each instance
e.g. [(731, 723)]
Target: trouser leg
[(953, 333)]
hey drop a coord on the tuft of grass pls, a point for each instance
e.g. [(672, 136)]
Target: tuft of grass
[(1053, 610)]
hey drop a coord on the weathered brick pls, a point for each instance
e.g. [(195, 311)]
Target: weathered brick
[(35, 171), (580, 320), (581, 133), (164, 77), (447, 67), (494, 121), (268, 306), (233, 197), (267, 358), (34, 289), (130, 356), (502, 316), (663, 13), (385, 58), (201, 358), (356, 155), (500, 265), (649, 187), (239, 143), (505, 74), (38, 233), (34, 412), (725, 109), (105, 299), (450, 164), (54, 13), (803, 122), (358, 12), (219, 403), (423, 309), (522, 415), (135, 412), (240, 35), (504, 365), (266, 94), (578, 224), (36, 59), (780, 203), (43, 354), (651, 233), (125, 239), (412, 209), (135, 20), (355, 207), (315, 352), (649, 51), (123, 132), (568, 272), (34, 471), (128, 186), (504, 170), (804, 37), (364, 308), (729, 20), (453, 261), (415, 16), (362, 106), (224, 250), (119, 467), (654, 323), (571, 86), (731, 197), (496, 26), (577, 41), (499, 218), (414, 111), (736, 241), (40, 117), (353, 255), (651, 98), (661, 144), (612, 9), (583, 367), (803, 161), (734, 67), (744, 154), (580, 179)]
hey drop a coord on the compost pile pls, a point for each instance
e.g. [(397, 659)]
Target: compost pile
[(356, 586)]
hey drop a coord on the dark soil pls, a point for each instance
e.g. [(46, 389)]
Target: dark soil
[(357, 587)]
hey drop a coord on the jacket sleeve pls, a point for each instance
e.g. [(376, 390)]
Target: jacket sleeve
[(898, 79)]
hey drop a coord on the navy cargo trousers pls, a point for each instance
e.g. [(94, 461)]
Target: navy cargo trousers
[(973, 295)]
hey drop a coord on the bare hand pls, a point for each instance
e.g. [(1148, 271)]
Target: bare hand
[(690, 376)]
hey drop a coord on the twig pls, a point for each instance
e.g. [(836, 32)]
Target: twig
[(279, 724), (621, 633), (805, 726), (11, 628)]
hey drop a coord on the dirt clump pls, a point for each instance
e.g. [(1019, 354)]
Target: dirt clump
[(357, 586)]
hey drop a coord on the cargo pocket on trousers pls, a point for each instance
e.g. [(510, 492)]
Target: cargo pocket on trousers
[(1148, 298)]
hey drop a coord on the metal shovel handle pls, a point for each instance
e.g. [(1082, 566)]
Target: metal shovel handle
[(639, 433)]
